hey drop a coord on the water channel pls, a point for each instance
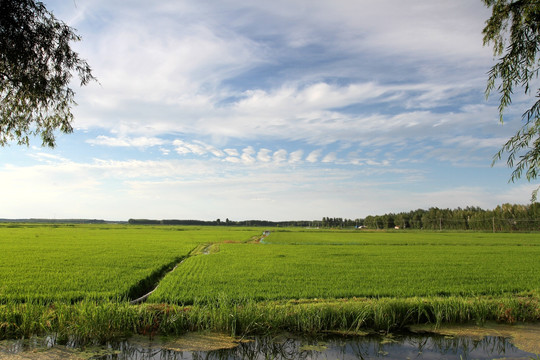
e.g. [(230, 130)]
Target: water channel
[(214, 346)]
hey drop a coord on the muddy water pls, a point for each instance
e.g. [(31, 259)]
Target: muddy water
[(216, 346)]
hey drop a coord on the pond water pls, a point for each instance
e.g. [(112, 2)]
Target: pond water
[(397, 346)]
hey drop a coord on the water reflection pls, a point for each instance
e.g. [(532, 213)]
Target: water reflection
[(397, 347), (405, 346)]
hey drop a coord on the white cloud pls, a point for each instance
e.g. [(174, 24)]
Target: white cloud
[(247, 155), (48, 158), (140, 142), (317, 96), (330, 157), (154, 64), (171, 72), (232, 159), (279, 156), (314, 156), (470, 142), (211, 149), (196, 147), (295, 157), (231, 152), (264, 155)]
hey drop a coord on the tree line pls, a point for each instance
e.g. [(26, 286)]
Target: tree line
[(506, 217), (337, 222), (227, 222)]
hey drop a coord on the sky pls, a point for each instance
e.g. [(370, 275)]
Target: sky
[(281, 110)]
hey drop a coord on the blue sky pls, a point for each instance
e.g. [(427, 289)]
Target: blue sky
[(271, 110)]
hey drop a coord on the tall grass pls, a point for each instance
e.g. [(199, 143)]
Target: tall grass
[(98, 322)]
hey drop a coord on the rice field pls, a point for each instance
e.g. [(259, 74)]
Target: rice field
[(283, 267), (70, 263), (76, 280)]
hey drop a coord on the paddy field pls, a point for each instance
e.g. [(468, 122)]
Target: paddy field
[(80, 280)]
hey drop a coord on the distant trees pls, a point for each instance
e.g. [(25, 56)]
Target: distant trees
[(227, 222), (330, 222), (506, 217)]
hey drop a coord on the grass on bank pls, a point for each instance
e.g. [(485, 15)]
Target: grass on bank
[(98, 322)]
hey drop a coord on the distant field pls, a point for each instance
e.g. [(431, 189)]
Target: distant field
[(326, 264), (66, 262)]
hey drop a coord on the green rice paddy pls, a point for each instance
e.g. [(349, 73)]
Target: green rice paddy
[(271, 272), (318, 264), (78, 279), (70, 263)]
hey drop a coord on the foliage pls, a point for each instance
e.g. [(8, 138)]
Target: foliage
[(36, 65), (518, 24), (329, 222), (505, 217)]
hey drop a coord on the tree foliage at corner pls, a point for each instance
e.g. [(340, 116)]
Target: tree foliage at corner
[(514, 31), (36, 67)]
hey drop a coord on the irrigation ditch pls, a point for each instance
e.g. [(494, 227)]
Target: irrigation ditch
[(148, 285), (284, 347), (145, 287)]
